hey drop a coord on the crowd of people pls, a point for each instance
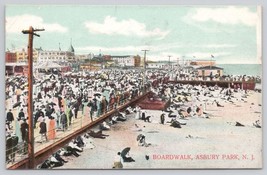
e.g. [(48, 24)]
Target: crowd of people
[(192, 74), (59, 99)]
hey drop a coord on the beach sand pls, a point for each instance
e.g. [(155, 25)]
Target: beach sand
[(214, 142)]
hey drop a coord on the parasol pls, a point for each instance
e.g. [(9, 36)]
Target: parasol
[(52, 103), (125, 151), (139, 137), (16, 104), (97, 94)]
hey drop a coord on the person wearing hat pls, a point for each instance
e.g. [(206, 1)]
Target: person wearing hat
[(162, 118), (21, 115), (24, 130), (24, 127), (9, 117), (63, 120), (43, 130)]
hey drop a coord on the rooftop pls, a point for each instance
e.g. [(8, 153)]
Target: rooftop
[(210, 68)]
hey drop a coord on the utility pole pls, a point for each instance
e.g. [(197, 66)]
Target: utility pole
[(30, 104), (178, 63), (211, 56), (144, 75)]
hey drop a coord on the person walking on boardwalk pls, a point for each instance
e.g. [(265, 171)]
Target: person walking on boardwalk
[(162, 118), (64, 121), (91, 111), (24, 127), (43, 130), (69, 113), (21, 115), (9, 118)]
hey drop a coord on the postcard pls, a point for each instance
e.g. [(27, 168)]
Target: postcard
[(133, 87)]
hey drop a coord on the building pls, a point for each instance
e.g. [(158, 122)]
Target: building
[(154, 65), (16, 68), (202, 63), (161, 65), (22, 56), (57, 55), (82, 58), (91, 66), (209, 71), (127, 60), (70, 53), (35, 54), (11, 57), (137, 61), (106, 57)]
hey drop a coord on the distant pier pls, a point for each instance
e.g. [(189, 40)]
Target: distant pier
[(245, 85)]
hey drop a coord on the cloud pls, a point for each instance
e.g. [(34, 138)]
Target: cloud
[(217, 46), (107, 50), (111, 26), (230, 15), (130, 49), (16, 24)]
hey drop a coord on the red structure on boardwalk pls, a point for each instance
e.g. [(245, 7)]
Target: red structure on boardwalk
[(153, 103)]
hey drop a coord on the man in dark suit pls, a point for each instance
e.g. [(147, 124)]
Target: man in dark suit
[(64, 121), (43, 130), (9, 118), (21, 115), (24, 127)]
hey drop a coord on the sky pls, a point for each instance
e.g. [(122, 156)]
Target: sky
[(231, 34)]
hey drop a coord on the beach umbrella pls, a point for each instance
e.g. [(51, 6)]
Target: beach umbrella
[(139, 137), (97, 94), (51, 103), (125, 151), (16, 104)]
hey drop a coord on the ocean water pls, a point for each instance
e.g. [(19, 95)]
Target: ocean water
[(241, 69)]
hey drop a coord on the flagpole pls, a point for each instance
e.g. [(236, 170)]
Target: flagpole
[(211, 56)]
